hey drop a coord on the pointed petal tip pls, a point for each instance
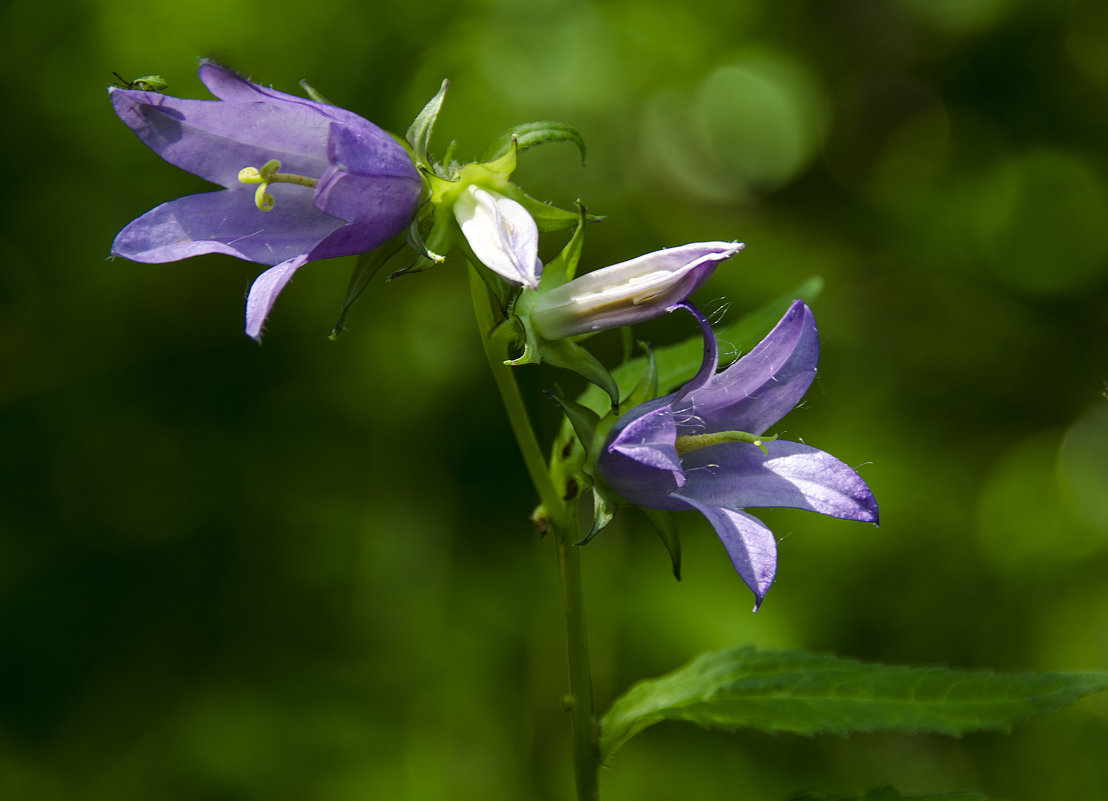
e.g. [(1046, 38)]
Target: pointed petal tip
[(263, 293)]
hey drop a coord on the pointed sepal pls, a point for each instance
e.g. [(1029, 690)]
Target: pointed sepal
[(532, 134), (662, 522), (367, 266), (419, 132)]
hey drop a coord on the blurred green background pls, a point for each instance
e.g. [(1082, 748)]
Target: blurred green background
[(305, 571)]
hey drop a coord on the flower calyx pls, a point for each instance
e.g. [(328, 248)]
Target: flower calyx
[(497, 219)]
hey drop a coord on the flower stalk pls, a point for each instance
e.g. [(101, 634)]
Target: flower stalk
[(558, 520)]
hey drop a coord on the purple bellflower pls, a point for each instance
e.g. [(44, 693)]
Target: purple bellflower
[(301, 181), (703, 447)]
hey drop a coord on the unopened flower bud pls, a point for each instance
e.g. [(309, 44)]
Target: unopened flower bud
[(629, 292), (501, 233)]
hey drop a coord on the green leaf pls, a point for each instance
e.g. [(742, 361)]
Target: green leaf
[(647, 388), (803, 693), (889, 794), (531, 134)]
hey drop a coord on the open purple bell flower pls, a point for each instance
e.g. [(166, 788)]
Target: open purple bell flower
[(301, 181), (704, 448)]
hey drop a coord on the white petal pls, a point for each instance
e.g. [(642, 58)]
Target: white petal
[(501, 233)]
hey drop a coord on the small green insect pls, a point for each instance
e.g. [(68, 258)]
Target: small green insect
[(147, 83)]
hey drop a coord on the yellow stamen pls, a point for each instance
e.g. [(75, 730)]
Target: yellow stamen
[(268, 175)]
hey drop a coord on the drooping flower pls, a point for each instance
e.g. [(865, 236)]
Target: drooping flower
[(501, 234), (302, 181), (704, 448), (629, 292)]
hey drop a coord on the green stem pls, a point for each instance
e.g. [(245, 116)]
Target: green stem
[(562, 524), (513, 400), (586, 752)]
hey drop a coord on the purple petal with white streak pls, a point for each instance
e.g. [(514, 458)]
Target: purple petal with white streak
[(227, 222), (794, 475)]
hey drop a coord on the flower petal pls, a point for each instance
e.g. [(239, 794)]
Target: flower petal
[(227, 222), (629, 292), (374, 187), (226, 84), (761, 387), (264, 291), (640, 460), (502, 235), (366, 150), (740, 475), (751, 546), (215, 139), (680, 399)]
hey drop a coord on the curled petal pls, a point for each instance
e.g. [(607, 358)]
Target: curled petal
[(791, 474), (502, 235), (708, 365), (640, 460), (751, 546), (264, 292), (761, 387)]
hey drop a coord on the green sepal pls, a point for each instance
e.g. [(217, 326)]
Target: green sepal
[(432, 248), (563, 267), (314, 94), (561, 352), (548, 218), (367, 266), (662, 522), (604, 507), (804, 693), (575, 459), (569, 355), (531, 134), (584, 420), (419, 132)]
